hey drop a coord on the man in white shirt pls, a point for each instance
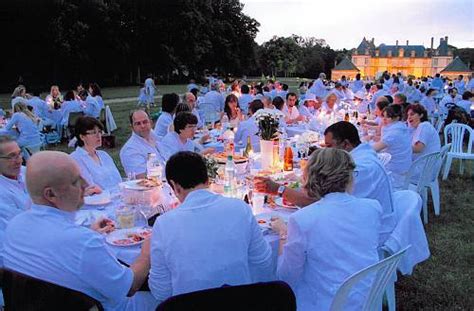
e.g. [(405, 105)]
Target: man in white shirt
[(292, 113), (13, 194), (56, 250), (208, 241), (190, 100), (470, 85), (466, 102), (134, 153), (459, 84), (249, 128)]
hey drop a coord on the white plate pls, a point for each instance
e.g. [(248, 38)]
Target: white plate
[(124, 234), (133, 185), (279, 202), (264, 219), (98, 199)]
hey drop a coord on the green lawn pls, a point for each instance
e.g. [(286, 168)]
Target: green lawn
[(445, 281)]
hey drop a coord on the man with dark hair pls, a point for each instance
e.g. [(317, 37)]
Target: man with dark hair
[(466, 102), (181, 139), (208, 241), (292, 115), (134, 153), (451, 98), (249, 128), (168, 109)]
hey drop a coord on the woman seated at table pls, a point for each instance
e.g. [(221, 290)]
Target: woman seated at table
[(232, 110), (424, 137), (329, 105), (26, 123), (69, 105), (94, 91), (97, 167), (181, 139), (396, 141), (331, 239)]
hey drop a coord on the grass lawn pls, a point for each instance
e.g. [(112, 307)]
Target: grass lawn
[(444, 281)]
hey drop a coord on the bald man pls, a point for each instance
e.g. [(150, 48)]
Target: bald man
[(190, 100), (46, 244)]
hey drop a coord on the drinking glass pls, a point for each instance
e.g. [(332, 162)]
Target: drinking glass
[(125, 217), (258, 200)]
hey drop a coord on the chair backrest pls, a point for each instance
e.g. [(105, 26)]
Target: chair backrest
[(103, 118), (423, 171), (456, 132), (73, 116), (22, 292), (382, 273), (276, 296)]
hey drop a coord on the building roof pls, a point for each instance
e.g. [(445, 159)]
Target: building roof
[(407, 49), (366, 45), (457, 65), (346, 64)]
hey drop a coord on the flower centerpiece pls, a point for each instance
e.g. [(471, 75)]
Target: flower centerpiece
[(212, 167), (268, 122)]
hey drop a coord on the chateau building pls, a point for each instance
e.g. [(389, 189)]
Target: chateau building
[(411, 60)]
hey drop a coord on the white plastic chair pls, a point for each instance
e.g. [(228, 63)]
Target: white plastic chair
[(458, 132), (383, 272), (423, 175)]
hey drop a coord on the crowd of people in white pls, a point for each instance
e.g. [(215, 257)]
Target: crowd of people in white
[(210, 240)]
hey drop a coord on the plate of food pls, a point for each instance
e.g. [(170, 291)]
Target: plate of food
[(128, 237), (285, 204), (98, 199), (221, 157), (264, 220), (141, 184)]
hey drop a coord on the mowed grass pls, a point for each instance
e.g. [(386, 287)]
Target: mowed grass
[(444, 281)]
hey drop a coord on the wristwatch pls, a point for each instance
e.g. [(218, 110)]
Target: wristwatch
[(280, 190)]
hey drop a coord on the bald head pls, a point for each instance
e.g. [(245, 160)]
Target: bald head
[(53, 178)]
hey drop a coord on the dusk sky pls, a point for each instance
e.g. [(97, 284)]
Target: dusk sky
[(343, 23)]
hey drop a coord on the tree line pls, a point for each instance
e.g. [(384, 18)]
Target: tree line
[(120, 42)]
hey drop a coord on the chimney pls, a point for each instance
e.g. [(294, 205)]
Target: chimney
[(440, 41), (432, 42), (396, 43), (407, 42), (372, 40), (446, 40)]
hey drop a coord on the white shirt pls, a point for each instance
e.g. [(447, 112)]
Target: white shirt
[(304, 111), (40, 107), (327, 242), (171, 144), (57, 250), (196, 113), (206, 242), (447, 100), (425, 133), (318, 88), (465, 104), (357, 85), (14, 200), (371, 182), (216, 99), (460, 86), (292, 113), (29, 134), (104, 174), (470, 85), (248, 128), (134, 153), (163, 124), (67, 107), (92, 107), (429, 103), (398, 141), (244, 101)]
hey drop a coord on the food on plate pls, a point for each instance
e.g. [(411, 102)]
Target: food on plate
[(133, 238), (221, 157), (262, 221), (149, 183)]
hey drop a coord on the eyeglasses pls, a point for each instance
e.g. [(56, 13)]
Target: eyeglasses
[(12, 157), (94, 132)]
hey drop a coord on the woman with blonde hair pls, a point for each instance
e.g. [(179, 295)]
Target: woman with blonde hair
[(26, 124), (331, 239), (18, 95), (54, 99)]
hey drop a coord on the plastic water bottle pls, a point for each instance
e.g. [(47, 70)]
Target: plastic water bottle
[(153, 168), (229, 176), (225, 123)]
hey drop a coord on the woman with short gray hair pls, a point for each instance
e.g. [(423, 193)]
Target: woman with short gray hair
[(331, 239)]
